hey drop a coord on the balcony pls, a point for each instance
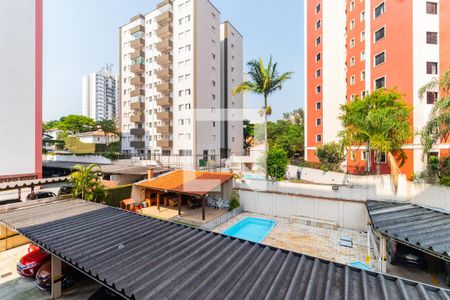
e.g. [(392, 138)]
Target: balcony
[(137, 92), (165, 129), (139, 118), (137, 28), (137, 131), (137, 43), (164, 87), (164, 115), (164, 45), (164, 19), (164, 31), (137, 105), (137, 80), (164, 143), (137, 144), (137, 69), (164, 101), (137, 54), (164, 74), (164, 60), (163, 3)]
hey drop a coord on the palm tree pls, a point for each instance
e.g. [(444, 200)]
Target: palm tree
[(438, 126), (108, 127), (86, 182), (264, 80)]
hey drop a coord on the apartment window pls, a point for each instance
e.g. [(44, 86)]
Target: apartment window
[(188, 48), (432, 38), (318, 122), (317, 8), (431, 97), (318, 41), (352, 43), (318, 73), (363, 75), (352, 61), (180, 122), (363, 36), (363, 94), (213, 56), (180, 107), (352, 5), (432, 68), (180, 21), (382, 158), (187, 92), (213, 124), (432, 8), (213, 96), (188, 18), (318, 105), (363, 55), (380, 83), (318, 89), (379, 10), (187, 106), (318, 57), (318, 24), (352, 24), (363, 155), (180, 93), (380, 58), (213, 15), (180, 36), (213, 29), (213, 83), (181, 50), (318, 138), (352, 80), (362, 16), (353, 97), (379, 34)]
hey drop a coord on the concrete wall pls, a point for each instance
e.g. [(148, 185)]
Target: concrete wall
[(10, 239)]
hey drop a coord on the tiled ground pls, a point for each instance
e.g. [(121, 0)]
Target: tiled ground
[(189, 216), (319, 242)]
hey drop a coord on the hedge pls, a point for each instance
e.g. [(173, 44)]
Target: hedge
[(113, 196)]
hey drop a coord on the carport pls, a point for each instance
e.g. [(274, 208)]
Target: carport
[(145, 258), (32, 183), (418, 227)]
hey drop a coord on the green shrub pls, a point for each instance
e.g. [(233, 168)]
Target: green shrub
[(114, 195), (277, 163), (445, 181), (234, 202), (331, 155)]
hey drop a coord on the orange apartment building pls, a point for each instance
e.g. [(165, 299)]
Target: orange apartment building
[(353, 49)]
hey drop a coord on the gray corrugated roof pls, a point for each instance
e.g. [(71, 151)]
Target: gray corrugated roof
[(11, 185), (146, 258), (421, 227)]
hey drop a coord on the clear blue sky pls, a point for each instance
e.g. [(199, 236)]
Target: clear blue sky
[(80, 36)]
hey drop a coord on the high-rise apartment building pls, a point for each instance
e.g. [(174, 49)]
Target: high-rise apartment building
[(178, 65), (21, 86), (356, 46), (99, 95)]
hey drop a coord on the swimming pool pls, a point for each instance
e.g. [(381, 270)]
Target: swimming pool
[(251, 229), (253, 176)]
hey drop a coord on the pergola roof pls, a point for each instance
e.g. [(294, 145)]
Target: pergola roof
[(146, 258), (187, 182)]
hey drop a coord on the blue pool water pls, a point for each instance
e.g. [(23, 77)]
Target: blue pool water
[(253, 176), (251, 229)]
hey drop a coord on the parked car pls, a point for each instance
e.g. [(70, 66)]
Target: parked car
[(399, 253), (104, 294), (65, 189), (30, 263), (40, 195), (70, 276)]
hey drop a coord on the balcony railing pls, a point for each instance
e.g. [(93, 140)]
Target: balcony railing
[(164, 129), (164, 45), (137, 105), (139, 118), (164, 143), (137, 92), (137, 43), (164, 60), (137, 144), (137, 54), (164, 31), (137, 131), (164, 74), (164, 87), (163, 3), (137, 68), (137, 80), (137, 28), (164, 18), (164, 101), (164, 115)]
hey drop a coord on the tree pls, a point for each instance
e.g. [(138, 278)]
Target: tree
[(286, 135), (249, 132), (331, 155), (86, 182), (54, 124), (380, 122), (108, 127), (264, 80), (76, 123), (438, 126), (297, 116), (277, 163)]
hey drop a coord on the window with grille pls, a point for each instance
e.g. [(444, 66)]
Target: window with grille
[(432, 68), (431, 97), (432, 38), (431, 8)]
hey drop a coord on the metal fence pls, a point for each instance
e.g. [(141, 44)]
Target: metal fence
[(222, 219)]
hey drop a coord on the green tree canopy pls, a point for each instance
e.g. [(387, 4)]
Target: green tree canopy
[(53, 124), (108, 127), (86, 182), (277, 163), (76, 123), (379, 121), (331, 155)]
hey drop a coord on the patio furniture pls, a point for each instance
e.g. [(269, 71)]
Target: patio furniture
[(130, 205), (211, 202), (172, 201)]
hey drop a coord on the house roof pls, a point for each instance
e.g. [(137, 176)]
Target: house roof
[(147, 258), (422, 228), (188, 182), (93, 133)]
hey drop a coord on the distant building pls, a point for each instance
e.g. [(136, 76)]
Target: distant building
[(21, 86), (96, 137), (178, 66), (100, 95)]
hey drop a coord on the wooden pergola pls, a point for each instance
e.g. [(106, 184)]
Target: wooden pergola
[(184, 183)]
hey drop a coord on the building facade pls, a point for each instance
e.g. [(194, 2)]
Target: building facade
[(353, 47), (21, 85), (99, 95), (173, 83)]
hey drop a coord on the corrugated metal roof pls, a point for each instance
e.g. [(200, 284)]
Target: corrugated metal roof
[(421, 227), (146, 258), (188, 182), (10, 185)]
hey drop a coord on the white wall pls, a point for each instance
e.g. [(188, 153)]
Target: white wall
[(95, 159), (17, 86)]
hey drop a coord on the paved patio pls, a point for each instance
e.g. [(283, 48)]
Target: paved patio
[(319, 242), (190, 216)]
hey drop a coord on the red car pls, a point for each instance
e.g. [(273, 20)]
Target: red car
[(30, 263)]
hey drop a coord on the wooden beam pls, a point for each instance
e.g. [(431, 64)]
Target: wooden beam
[(203, 208), (157, 200), (179, 204)]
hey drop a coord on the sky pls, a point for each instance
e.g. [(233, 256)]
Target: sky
[(81, 36)]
